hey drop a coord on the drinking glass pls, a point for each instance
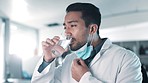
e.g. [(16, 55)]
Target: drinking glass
[(64, 43)]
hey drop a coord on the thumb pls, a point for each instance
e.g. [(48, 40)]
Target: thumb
[(82, 62), (59, 49)]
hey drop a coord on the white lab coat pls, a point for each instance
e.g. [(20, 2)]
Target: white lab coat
[(113, 64)]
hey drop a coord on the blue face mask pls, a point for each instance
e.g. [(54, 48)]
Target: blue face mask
[(84, 52)]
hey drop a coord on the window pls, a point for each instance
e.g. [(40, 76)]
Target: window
[(23, 45), (23, 41)]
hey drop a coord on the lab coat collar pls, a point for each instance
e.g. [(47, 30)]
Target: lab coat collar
[(105, 46)]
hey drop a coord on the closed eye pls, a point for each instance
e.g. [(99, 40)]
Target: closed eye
[(73, 25)]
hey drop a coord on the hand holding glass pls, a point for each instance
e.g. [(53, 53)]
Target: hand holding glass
[(61, 46)]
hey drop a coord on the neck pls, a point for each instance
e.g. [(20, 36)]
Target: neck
[(97, 40)]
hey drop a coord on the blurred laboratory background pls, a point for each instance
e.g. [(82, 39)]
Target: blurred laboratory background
[(24, 24)]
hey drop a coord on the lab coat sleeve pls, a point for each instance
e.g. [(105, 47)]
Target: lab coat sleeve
[(48, 75), (88, 78), (130, 70)]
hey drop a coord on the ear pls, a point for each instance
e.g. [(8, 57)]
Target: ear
[(93, 28)]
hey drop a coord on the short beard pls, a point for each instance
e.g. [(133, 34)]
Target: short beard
[(76, 47)]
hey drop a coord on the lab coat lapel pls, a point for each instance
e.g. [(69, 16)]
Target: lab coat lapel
[(105, 46), (96, 58)]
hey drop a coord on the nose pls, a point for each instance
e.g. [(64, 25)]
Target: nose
[(68, 32)]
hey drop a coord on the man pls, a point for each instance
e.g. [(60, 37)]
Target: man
[(90, 59)]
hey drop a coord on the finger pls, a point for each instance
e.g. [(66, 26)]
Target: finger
[(60, 49), (82, 62), (76, 62), (74, 65), (44, 43), (50, 41), (56, 39)]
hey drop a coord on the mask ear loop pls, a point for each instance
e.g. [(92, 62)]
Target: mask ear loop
[(90, 41)]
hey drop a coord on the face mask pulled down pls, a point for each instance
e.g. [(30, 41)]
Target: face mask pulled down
[(84, 52)]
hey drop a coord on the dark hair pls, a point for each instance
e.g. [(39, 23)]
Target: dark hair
[(90, 13)]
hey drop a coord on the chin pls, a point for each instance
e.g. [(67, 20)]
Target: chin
[(74, 47)]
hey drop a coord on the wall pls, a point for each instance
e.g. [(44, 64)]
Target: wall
[(1, 51), (133, 32)]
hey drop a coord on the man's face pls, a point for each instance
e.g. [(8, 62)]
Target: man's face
[(75, 25)]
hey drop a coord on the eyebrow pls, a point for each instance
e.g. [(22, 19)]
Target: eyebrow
[(73, 21)]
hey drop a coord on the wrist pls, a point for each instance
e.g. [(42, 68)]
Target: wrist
[(47, 60)]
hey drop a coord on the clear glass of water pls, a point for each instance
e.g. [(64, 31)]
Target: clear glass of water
[(64, 43)]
